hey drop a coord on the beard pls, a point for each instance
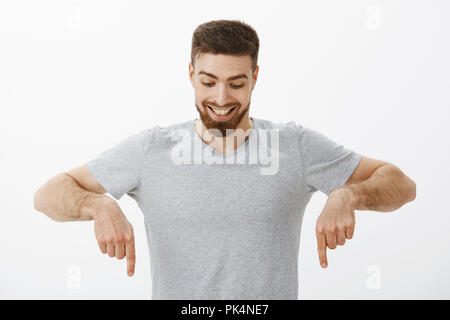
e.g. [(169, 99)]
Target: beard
[(223, 126)]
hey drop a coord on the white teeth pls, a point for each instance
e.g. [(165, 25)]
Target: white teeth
[(220, 112)]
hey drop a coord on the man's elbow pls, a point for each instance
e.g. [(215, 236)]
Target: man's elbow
[(411, 190), (36, 199), (406, 185)]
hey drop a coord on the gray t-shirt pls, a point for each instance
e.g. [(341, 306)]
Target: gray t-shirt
[(224, 226)]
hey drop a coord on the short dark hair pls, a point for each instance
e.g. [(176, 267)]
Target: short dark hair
[(231, 37)]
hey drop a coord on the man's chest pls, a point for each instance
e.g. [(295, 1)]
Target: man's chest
[(225, 194)]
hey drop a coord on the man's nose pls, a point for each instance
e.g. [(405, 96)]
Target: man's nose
[(222, 95)]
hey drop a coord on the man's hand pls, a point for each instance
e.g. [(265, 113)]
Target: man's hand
[(113, 232), (335, 224)]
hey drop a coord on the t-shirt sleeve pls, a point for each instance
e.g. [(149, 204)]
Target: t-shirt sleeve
[(118, 169), (326, 164)]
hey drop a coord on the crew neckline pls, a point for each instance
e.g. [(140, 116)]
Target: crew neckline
[(231, 153)]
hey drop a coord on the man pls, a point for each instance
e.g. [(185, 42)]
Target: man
[(222, 220)]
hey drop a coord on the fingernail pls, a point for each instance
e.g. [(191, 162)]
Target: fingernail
[(324, 265)]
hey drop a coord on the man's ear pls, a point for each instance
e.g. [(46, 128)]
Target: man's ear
[(191, 74), (255, 77)]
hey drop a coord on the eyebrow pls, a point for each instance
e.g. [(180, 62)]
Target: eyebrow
[(242, 75)]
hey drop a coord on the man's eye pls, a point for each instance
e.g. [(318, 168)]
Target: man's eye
[(234, 86)]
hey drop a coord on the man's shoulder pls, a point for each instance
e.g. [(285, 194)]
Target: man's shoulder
[(288, 129), (159, 136), (268, 124), (165, 131)]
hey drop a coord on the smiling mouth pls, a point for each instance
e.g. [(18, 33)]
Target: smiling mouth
[(221, 114)]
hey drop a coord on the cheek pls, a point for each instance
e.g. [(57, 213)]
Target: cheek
[(200, 94), (243, 96)]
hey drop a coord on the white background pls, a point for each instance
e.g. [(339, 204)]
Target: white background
[(77, 77)]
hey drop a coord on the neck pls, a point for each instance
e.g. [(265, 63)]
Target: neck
[(227, 143)]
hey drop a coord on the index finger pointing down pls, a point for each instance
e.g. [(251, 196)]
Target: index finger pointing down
[(131, 258), (322, 250)]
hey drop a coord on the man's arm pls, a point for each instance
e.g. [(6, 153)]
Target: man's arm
[(77, 196), (387, 189), (63, 199), (374, 185)]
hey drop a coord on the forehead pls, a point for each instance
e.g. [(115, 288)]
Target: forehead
[(223, 65)]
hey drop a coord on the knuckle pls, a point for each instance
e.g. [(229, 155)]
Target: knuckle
[(340, 226), (128, 238), (107, 239), (331, 229)]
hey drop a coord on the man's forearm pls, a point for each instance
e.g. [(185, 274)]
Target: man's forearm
[(62, 199), (387, 189)]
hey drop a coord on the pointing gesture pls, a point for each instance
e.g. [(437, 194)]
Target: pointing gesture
[(114, 233), (335, 224)]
